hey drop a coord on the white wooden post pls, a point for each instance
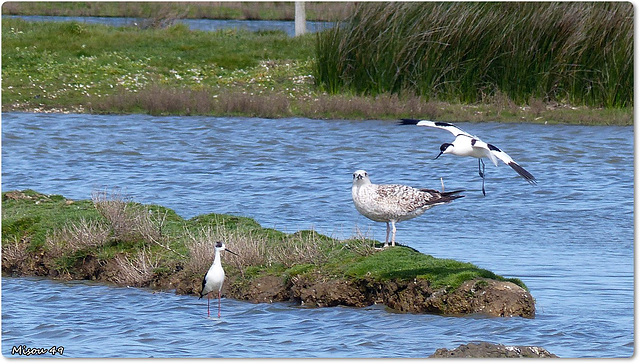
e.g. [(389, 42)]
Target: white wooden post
[(301, 18)]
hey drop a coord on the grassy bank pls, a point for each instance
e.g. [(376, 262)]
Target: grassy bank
[(142, 245), (263, 10), (569, 53), (78, 67)]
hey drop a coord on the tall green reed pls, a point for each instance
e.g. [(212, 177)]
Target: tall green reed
[(576, 53)]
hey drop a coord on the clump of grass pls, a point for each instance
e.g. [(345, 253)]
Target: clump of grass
[(117, 213), (576, 53), (304, 247), (249, 247), (80, 235), (137, 270), (14, 253), (131, 222), (361, 244), (258, 250)]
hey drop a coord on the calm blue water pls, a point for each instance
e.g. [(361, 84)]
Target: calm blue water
[(570, 239), (193, 24)]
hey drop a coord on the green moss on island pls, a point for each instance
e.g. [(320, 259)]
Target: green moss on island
[(112, 239)]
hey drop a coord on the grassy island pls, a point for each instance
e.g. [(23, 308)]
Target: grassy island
[(112, 239)]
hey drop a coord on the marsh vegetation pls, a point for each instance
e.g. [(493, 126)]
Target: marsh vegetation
[(567, 53), (568, 63)]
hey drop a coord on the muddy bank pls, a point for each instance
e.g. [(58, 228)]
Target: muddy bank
[(478, 296), (489, 350)]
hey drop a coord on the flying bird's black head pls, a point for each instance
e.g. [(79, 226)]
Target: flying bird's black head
[(219, 244), (443, 148)]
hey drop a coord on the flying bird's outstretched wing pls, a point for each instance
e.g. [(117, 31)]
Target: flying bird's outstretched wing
[(436, 124), (511, 163)]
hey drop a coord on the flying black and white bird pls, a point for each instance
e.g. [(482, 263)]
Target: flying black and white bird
[(214, 278), (394, 203), (467, 145)]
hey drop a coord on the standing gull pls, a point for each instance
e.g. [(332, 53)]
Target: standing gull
[(393, 203), (467, 145), (214, 278)]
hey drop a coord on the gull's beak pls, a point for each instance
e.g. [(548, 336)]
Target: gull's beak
[(227, 249), (438, 156)]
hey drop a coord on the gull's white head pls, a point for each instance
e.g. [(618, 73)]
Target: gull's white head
[(360, 177)]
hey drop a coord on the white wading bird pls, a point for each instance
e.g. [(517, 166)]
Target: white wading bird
[(467, 145), (393, 203), (214, 278)]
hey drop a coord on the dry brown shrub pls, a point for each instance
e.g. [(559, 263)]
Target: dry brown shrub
[(132, 222), (303, 249), (157, 100), (129, 221), (502, 102), (250, 250), (201, 251), (136, 271), (14, 253), (114, 208), (162, 17), (83, 234), (385, 105), (268, 106), (537, 106)]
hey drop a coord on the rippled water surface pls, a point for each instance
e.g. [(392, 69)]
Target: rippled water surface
[(570, 239), (193, 24)]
